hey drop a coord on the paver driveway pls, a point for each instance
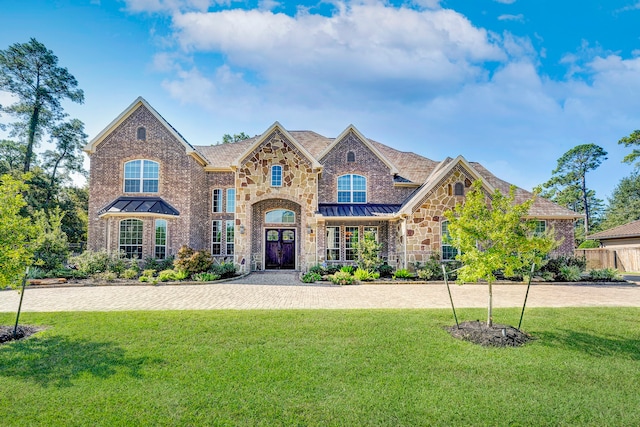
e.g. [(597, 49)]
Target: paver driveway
[(284, 291)]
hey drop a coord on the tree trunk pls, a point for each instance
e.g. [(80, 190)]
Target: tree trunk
[(586, 205), (490, 313), (33, 124)]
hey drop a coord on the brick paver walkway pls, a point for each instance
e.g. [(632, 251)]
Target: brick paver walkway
[(284, 291)]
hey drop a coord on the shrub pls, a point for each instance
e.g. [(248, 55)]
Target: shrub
[(425, 274), (130, 273), (605, 274), (166, 276), (65, 273), (107, 276), (144, 278), (192, 261), (149, 273), (385, 270), (365, 275), (51, 247), (311, 277), (341, 278), (333, 268), (117, 263), (570, 273), (36, 273), (589, 244), (349, 269), (224, 270), (402, 273), (181, 275), (90, 262), (554, 265), (317, 269), (206, 277)]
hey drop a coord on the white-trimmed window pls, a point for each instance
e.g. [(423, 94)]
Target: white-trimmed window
[(216, 200), (448, 251), (160, 250), (541, 227), (333, 243), (230, 225), (350, 240), (130, 241), (216, 237), (352, 189), (141, 176), (231, 200), (276, 176), (280, 216)]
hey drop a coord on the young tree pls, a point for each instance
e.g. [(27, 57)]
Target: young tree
[(368, 252), (30, 72), (627, 141), (16, 233), (570, 175), (492, 233)]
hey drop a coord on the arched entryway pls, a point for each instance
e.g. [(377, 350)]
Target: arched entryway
[(276, 231)]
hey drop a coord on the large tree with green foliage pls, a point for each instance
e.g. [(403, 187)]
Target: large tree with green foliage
[(228, 138), (624, 203), (30, 72), (568, 184), (492, 233), (632, 140), (17, 232)]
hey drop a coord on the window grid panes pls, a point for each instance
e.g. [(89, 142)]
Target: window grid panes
[(333, 243), (141, 176), (131, 238), (280, 216), (541, 227), (231, 200), (230, 225), (276, 176), (448, 251), (371, 231), (216, 237), (350, 240), (352, 189), (216, 200), (161, 239)]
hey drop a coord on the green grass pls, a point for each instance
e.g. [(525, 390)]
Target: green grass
[(359, 367)]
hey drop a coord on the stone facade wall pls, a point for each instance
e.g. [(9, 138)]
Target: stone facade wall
[(178, 174), (380, 188), (423, 232), (299, 186)]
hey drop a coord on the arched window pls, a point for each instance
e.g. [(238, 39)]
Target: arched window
[(351, 157), (458, 189), (141, 176), (276, 176), (280, 216), (141, 134), (131, 238), (448, 251), (352, 189)]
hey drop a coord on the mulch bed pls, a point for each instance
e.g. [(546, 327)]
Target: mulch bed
[(496, 336), (6, 332)]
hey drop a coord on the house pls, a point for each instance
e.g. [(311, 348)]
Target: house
[(622, 236), (281, 200)]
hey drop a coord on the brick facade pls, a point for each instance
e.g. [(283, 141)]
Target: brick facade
[(187, 179)]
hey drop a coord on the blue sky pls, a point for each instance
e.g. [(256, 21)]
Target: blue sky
[(512, 84)]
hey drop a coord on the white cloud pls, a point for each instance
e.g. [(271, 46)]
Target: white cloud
[(635, 6), (505, 1), (506, 17), (154, 6)]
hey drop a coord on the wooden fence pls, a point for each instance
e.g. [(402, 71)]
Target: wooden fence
[(623, 259)]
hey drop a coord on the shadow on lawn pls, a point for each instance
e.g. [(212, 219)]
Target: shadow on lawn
[(57, 361), (593, 345)]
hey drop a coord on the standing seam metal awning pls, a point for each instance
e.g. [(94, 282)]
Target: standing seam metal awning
[(351, 210), (139, 205)]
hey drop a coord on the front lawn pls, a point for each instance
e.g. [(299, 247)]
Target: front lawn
[(321, 367)]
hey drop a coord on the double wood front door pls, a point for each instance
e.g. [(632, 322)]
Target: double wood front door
[(280, 249)]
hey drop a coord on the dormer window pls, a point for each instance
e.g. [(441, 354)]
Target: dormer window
[(351, 157), (141, 176), (141, 134), (352, 189)]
